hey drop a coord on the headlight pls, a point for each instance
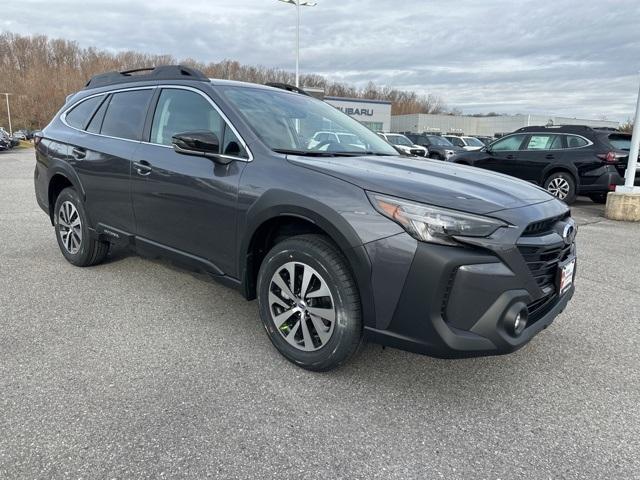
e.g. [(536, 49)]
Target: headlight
[(433, 224)]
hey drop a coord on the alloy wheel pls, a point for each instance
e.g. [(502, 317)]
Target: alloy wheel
[(301, 306), (70, 227), (559, 187)]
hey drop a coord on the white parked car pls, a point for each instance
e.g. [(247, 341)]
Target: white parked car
[(470, 144), (322, 140), (404, 144)]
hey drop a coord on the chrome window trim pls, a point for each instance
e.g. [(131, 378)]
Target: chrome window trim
[(155, 87), (589, 142)]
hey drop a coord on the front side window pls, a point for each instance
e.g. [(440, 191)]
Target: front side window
[(79, 116), (125, 114), (506, 144), (288, 123)]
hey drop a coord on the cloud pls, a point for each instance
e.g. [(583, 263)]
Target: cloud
[(567, 57)]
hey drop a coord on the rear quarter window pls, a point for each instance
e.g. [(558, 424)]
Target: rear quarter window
[(78, 117)]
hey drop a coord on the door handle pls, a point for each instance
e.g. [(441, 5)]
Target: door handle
[(79, 153), (549, 156), (142, 167), (509, 157)]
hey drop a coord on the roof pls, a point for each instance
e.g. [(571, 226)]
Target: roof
[(564, 129)]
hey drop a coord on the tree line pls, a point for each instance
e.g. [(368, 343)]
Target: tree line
[(40, 72)]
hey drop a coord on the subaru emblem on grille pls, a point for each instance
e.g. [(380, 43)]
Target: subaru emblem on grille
[(569, 233)]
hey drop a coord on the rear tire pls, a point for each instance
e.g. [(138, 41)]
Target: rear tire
[(562, 186), (76, 242), (599, 197), (314, 321)]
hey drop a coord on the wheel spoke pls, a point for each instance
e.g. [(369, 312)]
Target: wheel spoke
[(323, 291), (326, 313), (282, 285), (306, 335), (284, 316), (307, 275), (322, 331), (291, 268), (275, 299), (291, 336)]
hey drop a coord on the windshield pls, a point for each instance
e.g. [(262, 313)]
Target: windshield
[(441, 141), (620, 142), (298, 124), (474, 142), (399, 140)]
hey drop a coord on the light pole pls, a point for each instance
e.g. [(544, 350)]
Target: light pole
[(6, 96), (298, 4), (632, 164)]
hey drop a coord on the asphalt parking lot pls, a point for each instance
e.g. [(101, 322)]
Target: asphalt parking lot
[(136, 369)]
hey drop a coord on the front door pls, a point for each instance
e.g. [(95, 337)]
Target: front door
[(188, 203), (503, 156)]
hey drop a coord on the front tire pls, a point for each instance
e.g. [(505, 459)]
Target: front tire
[(562, 186), (309, 303), (75, 240)]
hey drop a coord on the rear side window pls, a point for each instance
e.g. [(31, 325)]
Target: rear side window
[(125, 114), (79, 116), (541, 142)]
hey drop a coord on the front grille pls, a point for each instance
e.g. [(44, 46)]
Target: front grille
[(543, 226), (543, 262)]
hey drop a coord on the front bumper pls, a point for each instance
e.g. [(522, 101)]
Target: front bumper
[(454, 302)]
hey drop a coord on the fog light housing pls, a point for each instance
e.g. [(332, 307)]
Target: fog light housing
[(515, 321)]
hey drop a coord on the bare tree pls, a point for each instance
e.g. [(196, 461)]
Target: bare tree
[(40, 73)]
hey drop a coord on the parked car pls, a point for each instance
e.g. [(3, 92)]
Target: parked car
[(20, 135), (565, 160), (7, 139), (469, 144), (439, 147), (328, 140), (403, 144), (486, 140), (337, 246)]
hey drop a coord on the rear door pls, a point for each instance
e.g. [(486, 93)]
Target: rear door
[(188, 203), (540, 150), (101, 151)]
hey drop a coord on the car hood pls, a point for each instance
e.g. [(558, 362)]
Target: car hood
[(458, 187)]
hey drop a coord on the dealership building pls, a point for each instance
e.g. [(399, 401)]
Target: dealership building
[(374, 114), (483, 126)]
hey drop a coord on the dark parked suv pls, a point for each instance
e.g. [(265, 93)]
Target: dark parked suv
[(337, 241), (565, 160)]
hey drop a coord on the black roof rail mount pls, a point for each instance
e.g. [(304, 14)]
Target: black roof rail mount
[(566, 128), (287, 87), (161, 72)]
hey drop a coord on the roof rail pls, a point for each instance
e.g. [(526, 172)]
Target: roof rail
[(287, 87), (161, 72)]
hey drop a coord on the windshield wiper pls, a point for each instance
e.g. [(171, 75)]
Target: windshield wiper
[(314, 153)]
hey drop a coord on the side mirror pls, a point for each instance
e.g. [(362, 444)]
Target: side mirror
[(201, 143)]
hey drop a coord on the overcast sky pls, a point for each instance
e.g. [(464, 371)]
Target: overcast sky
[(563, 57)]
